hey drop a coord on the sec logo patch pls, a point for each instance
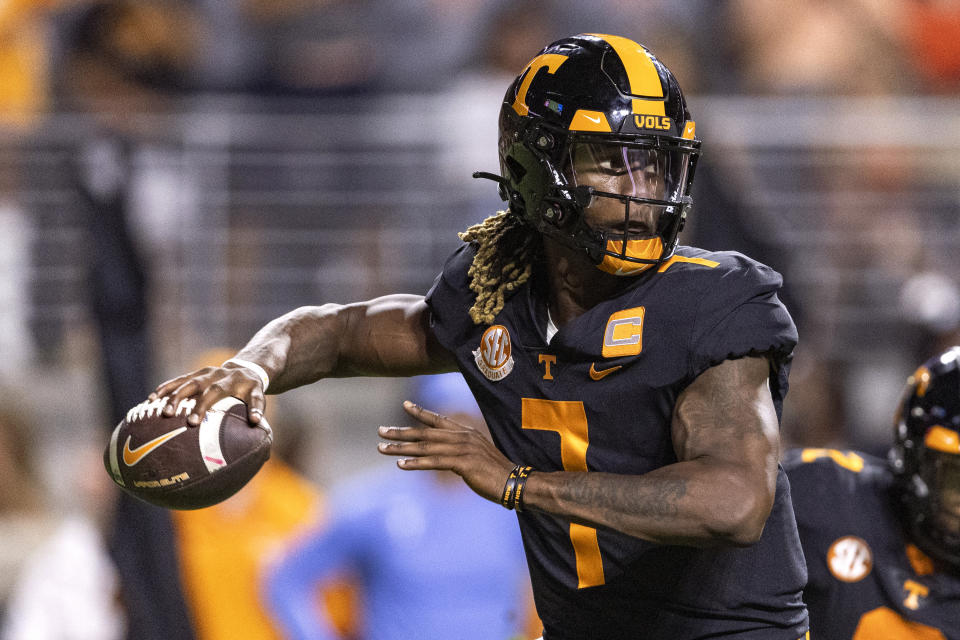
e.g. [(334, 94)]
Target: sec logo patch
[(850, 559), (493, 357)]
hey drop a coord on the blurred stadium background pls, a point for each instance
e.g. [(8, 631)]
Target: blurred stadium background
[(253, 156)]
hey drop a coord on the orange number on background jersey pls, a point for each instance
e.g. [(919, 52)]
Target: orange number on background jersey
[(569, 419), (848, 460), (887, 624)]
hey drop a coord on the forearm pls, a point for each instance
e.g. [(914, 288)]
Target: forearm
[(299, 347), (387, 336), (694, 503)]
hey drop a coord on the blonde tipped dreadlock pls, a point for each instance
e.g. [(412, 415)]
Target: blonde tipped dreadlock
[(506, 249)]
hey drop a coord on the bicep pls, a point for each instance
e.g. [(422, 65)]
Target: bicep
[(727, 415), (391, 335)]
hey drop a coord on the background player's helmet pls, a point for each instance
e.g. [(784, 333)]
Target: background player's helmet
[(926, 457), (606, 103)]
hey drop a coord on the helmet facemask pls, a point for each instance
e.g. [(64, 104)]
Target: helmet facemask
[(623, 200), (637, 202), (938, 513)]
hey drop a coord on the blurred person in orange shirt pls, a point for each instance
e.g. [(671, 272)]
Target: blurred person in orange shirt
[(25, 49)]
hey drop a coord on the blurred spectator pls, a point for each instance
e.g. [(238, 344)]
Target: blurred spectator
[(288, 47), (19, 488), (932, 34), (24, 63), (422, 45), (926, 34), (405, 552), (224, 548), (817, 47), (25, 519), (122, 62), (122, 59), (857, 219), (66, 586), (513, 31), (682, 33)]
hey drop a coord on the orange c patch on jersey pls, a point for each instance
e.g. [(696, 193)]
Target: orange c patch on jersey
[(623, 335), (493, 356)]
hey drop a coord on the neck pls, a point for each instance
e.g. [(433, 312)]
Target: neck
[(574, 285)]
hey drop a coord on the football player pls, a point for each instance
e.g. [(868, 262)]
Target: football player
[(882, 537), (632, 387)]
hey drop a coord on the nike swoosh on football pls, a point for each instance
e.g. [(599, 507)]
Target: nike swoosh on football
[(603, 373), (133, 456)]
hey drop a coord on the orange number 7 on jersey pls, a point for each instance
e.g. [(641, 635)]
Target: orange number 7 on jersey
[(569, 419)]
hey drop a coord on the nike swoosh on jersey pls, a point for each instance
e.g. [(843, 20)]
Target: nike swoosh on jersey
[(603, 373), (133, 456)]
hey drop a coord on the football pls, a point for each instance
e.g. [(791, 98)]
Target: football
[(164, 461)]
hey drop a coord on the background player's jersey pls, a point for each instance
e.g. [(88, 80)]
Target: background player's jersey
[(600, 397), (867, 582)]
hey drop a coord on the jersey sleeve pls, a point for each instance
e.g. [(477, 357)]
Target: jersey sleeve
[(741, 315), (450, 299)]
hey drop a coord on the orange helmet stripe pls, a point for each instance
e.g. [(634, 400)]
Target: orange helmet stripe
[(641, 74)]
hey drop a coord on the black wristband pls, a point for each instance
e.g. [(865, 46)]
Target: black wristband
[(507, 497), (512, 490), (522, 476)]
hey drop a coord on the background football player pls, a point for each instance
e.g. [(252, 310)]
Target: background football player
[(632, 387), (882, 537)]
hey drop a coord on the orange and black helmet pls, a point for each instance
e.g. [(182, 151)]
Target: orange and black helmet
[(925, 457), (607, 101)]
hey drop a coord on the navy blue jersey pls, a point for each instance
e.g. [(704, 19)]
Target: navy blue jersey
[(600, 397), (867, 581)]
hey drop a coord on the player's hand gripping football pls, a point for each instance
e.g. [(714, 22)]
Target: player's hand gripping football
[(446, 444), (210, 384)]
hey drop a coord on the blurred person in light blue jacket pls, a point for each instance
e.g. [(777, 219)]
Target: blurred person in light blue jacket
[(429, 557)]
